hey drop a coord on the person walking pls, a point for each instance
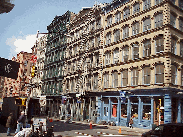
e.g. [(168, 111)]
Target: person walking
[(9, 123), (131, 123), (20, 122)]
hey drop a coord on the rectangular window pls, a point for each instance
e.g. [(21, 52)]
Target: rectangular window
[(147, 48), (146, 75), (147, 24), (108, 38), (96, 60), (109, 21), (181, 76), (135, 28), (181, 24), (146, 4), (106, 80), (116, 35), (134, 76), (98, 24), (124, 78), (181, 4), (95, 82), (126, 32), (181, 48), (159, 74), (135, 51), (97, 41)]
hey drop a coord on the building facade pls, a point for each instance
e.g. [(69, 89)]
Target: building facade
[(54, 62), (130, 67)]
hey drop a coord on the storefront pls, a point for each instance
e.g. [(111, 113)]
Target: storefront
[(146, 107)]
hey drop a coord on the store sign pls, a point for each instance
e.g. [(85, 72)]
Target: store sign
[(123, 96)]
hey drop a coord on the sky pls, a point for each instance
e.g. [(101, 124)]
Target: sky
[(18, 28)]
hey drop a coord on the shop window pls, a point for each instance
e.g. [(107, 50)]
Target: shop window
[(125, 54), (124, 78), (158, 20), (134, 77), (124, 109), (158, 2), (147, 24), (134, 111), (147, 48), (173, 45), (136, 8), (159, 74), (146, 4), (116, 56), (135, 28), (146, 113), (117, 17), (159, 109), (174, 74), (126, 32), (146, 75), (126, 13), (105, 111), (114, 107), (135, 51), (159, 44)]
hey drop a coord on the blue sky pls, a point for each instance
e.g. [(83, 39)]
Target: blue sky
[(18, 28)]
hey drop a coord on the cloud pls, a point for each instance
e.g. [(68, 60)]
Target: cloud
[(20, 43)]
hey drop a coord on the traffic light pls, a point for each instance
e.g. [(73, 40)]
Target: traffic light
[(33, 71)]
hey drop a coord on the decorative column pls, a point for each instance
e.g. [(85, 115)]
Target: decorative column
[(140, 108), (118, 111), (152, 110), (179, 111), (109, 110), (128, 111), (167, 109)]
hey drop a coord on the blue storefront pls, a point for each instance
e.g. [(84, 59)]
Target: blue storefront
[(145, 106)]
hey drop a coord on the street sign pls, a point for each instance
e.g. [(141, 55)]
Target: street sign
[(9, 68)]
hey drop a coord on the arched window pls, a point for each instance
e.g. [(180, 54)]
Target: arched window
[(125, 54), (136, 8), (135, 28), (116, 56), (146, 4), (134, 77), (159, 74), (146, 75), (115, 79), (146, 48), (159, 44), (106, 80), (116, 35), (126, 13), (135, 51), (147, 24), (174, 45), (117, 17), (126, 32), (158, 20), (108, 38), (124, 78), (174, 74)]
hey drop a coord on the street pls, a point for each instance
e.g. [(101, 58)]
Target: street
[(79, 130)]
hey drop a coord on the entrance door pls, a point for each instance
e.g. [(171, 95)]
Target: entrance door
[(106, 112), (174, 110), (159, 111)]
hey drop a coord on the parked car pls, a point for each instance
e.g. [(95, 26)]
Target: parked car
[(166, 130)]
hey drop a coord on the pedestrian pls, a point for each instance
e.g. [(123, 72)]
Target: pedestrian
[(131, 123), (20, 122), (9, 123)]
